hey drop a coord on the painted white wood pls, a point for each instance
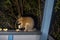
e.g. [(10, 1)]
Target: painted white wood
[(3, 37), (26, 37), (23, 37)]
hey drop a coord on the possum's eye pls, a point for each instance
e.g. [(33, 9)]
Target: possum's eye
[(19, 24)]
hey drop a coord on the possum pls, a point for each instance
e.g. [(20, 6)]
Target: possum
[(27, 23)]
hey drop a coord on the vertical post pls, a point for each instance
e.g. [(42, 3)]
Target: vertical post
[(10, 37), (46, 19)]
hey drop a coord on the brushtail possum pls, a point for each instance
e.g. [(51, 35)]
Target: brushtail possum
[(27, 23)]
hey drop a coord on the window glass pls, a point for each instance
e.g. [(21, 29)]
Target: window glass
[(24, 15)]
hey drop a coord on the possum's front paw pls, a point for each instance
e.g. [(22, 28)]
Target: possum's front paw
[(17, 30)]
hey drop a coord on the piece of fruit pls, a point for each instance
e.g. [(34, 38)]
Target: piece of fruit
[(5, 29), (0, 29)]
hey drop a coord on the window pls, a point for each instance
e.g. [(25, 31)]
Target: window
[(12, 10)]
